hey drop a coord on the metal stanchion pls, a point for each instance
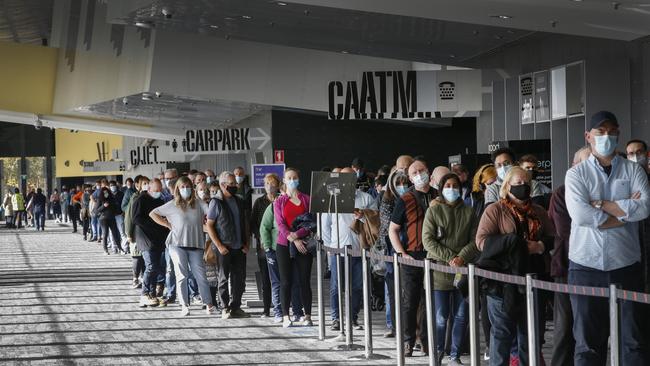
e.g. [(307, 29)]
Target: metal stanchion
[(533, 353), (319, 283), (428, 293), (475, 353), (367, 312), (613, 326), (399, 336), (348, 297)]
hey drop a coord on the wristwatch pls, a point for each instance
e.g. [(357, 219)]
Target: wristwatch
[(598, 204)]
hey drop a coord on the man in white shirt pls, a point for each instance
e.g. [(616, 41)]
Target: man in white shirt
[(347, 237)]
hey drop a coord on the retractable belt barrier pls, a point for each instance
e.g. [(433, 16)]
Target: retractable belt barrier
[(612, 293)]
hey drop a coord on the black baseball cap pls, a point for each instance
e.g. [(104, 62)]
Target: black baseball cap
[(600, 117)]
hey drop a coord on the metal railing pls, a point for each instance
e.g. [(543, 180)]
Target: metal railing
[(612, 293)]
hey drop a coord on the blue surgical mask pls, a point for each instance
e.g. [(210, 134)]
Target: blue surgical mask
[(292, 184), (239, 179), (451, 194), (401, 190), (502, 171), (208, 180), (113, 189), (186, 193), (606, 144), (358, 173), (155, 195), (421, 180)]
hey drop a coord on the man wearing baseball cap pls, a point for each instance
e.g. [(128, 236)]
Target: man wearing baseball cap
[(606, 197)]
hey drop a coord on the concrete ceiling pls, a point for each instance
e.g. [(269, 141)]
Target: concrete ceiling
[(172, 111)]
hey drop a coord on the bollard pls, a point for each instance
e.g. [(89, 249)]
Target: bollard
[(475, 354), (428, 293), (348, 298), (533, 352), (366, 304), (399, 336), (613, 326), (319, 284)]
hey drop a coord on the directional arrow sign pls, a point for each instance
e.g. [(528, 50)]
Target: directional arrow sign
[(221, 141)]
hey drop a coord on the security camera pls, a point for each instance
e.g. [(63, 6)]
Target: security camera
[(158, 94), (38, 124), (167, 13), (125, 101)]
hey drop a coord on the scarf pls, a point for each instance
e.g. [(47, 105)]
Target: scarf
[(527, 220)]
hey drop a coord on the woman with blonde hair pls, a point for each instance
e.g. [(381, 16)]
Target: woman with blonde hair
[(184, 216), (514, 235), (485, 175)]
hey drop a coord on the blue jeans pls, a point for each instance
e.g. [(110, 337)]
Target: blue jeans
[(356, 271), (591, 316), (39, 218), (153, 266), (119, 219), (97, 230), (460, 315), (186, 260), (506, 329), (170, 279)]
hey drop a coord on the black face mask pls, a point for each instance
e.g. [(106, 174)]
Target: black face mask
[(232, 190), (533, 174), (521, 192)]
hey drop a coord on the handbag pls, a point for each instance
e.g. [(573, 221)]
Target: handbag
[(209, 254)]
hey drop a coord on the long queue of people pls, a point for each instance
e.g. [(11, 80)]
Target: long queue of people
[(192, 234)]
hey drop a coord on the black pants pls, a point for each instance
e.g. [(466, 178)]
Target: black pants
[(265, 281), (73, 212), (563, 342), (233, 271), (86, 225), (285, 265), (109, 224), (412, 295), (485, 319)]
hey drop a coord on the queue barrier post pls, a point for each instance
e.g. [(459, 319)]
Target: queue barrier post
[(533, 352), (348, 297), (428, 293), (475, 353), (367, 313), (399, 336), (614, 339), (319, 284)]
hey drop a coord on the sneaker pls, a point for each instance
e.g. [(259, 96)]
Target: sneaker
[(389, 334), (296, 318), (196, 300), (264, 316), (308, 323), (211, 310), (239, 313), (514, 360), (336, 325), (136, 283), (408, 350), (277, 319), (143, 301), (286, 323), (356, 325), (486, 355), (454, 362), (160, 288), (106, 252), (225, 314), (185, 310)]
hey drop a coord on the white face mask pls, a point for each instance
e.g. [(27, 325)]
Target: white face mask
[(201, 194), (186, 193), (145, 187), (639, 158), (421, 180), (503, 170), (239, 179)]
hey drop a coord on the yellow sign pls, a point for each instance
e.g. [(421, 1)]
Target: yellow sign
[(75, 148)]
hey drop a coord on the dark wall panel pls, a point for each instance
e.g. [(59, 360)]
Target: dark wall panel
[(18, 140), (311, 141)]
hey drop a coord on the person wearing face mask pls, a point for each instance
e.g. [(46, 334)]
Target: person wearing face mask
[(466, 185), (137, 260), (105, 210), (150, 239), (517, 234), (199, 178), (244, 190), (184, 217), (272, 189), (398, 184), (606, 196), (128, 192), (363, 181), (65, 203), (229, 231), (406, 222), (118, 196), (210, 177), (286, 209), (637, 151), (448, 236), (504, 160), (214, 189), (169, 181), (84, 214), (434, 181), (540, 193), (347, 237), (202, 192)]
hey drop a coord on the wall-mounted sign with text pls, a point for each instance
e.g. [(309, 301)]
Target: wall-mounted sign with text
[(221, 141), (406, 95)]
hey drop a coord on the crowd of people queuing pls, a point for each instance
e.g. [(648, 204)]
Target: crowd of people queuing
[(190, 235)]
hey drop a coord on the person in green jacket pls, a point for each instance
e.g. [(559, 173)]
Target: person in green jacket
[(268, 235), (448, 237)]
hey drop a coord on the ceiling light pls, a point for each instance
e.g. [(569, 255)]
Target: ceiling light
[(214, 26), (247, 17), (229, 18), (144, 24), (282, 4), (146, 96), (503, 17), (577, 1), (452, 56), (345, 52)]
